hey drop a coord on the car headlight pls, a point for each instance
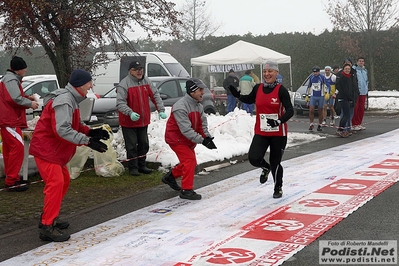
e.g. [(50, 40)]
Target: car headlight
[(297, 95), (111, 115)]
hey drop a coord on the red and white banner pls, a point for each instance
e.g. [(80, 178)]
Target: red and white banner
[(237, 222)]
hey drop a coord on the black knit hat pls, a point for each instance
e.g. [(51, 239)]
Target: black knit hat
[(193, 84), (79, 77), (17, 63)]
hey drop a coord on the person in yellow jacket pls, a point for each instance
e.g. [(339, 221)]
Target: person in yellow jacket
[(329, 96)]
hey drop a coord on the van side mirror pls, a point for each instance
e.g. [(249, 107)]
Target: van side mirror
[(163, 96)]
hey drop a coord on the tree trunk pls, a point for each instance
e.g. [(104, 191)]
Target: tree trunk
[(370, 60)]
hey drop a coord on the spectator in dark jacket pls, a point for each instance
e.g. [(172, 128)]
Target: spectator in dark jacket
[(347, 92), (348, 126), (234, 81)]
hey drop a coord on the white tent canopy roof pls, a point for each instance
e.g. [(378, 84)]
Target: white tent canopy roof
[(240, 53)]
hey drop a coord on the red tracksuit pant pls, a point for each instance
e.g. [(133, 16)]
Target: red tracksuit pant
[(186, 167), (358, 112), (13, 153), (56, 182)]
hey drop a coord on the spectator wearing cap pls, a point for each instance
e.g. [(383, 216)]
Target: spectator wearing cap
[(273, 110), (186, 127), (234, 81), (280, 78), (13, 103), (317, 87), (246, 85), (132, 102), (57, 134), (329, 98), (337, 110)]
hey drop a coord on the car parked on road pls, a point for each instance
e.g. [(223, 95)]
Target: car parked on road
[(300, 104), (171, 89)]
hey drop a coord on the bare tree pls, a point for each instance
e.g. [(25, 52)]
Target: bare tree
[(197, 21), (365, 17), (69, 29)]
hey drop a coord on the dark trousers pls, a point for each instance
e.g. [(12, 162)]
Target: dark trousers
[(137, 146), (257, 152), (345, 112)]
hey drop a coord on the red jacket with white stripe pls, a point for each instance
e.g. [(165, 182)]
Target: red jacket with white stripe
[(187, 124), (59, 129), (13, 101)]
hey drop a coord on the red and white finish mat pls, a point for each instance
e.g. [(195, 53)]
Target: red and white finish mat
[(237, 222)]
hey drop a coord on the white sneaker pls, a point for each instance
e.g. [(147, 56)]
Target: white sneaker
[(356, 128), (362, 127)]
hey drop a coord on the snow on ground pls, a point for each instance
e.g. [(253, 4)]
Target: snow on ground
[(233, 134)]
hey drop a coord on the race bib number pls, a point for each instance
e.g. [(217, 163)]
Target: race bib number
[(264, 126), (316, 86)]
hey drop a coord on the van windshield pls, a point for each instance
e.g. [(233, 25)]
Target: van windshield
[(177, 70)]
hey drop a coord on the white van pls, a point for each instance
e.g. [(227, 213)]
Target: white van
[(157, 64)]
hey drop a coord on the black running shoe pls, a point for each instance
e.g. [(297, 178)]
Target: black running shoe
[(319, 128), (170, 180), (278, 193), (264, 175), (189, 194)]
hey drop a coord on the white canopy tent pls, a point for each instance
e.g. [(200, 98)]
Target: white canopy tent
[(242, 53)]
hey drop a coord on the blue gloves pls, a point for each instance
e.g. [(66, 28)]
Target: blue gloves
[(162, 115), (134, 116)]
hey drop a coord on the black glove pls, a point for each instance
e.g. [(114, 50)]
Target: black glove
[(273, 123), (208, 142), (234, 91), (99, 133), (97, 145)]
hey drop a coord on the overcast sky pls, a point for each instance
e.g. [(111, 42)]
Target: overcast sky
[(260, 17)]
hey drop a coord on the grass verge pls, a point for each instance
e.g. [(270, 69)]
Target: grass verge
[(19, 210)]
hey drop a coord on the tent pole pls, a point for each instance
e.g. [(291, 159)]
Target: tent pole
[(261, 73), (291, 77)]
